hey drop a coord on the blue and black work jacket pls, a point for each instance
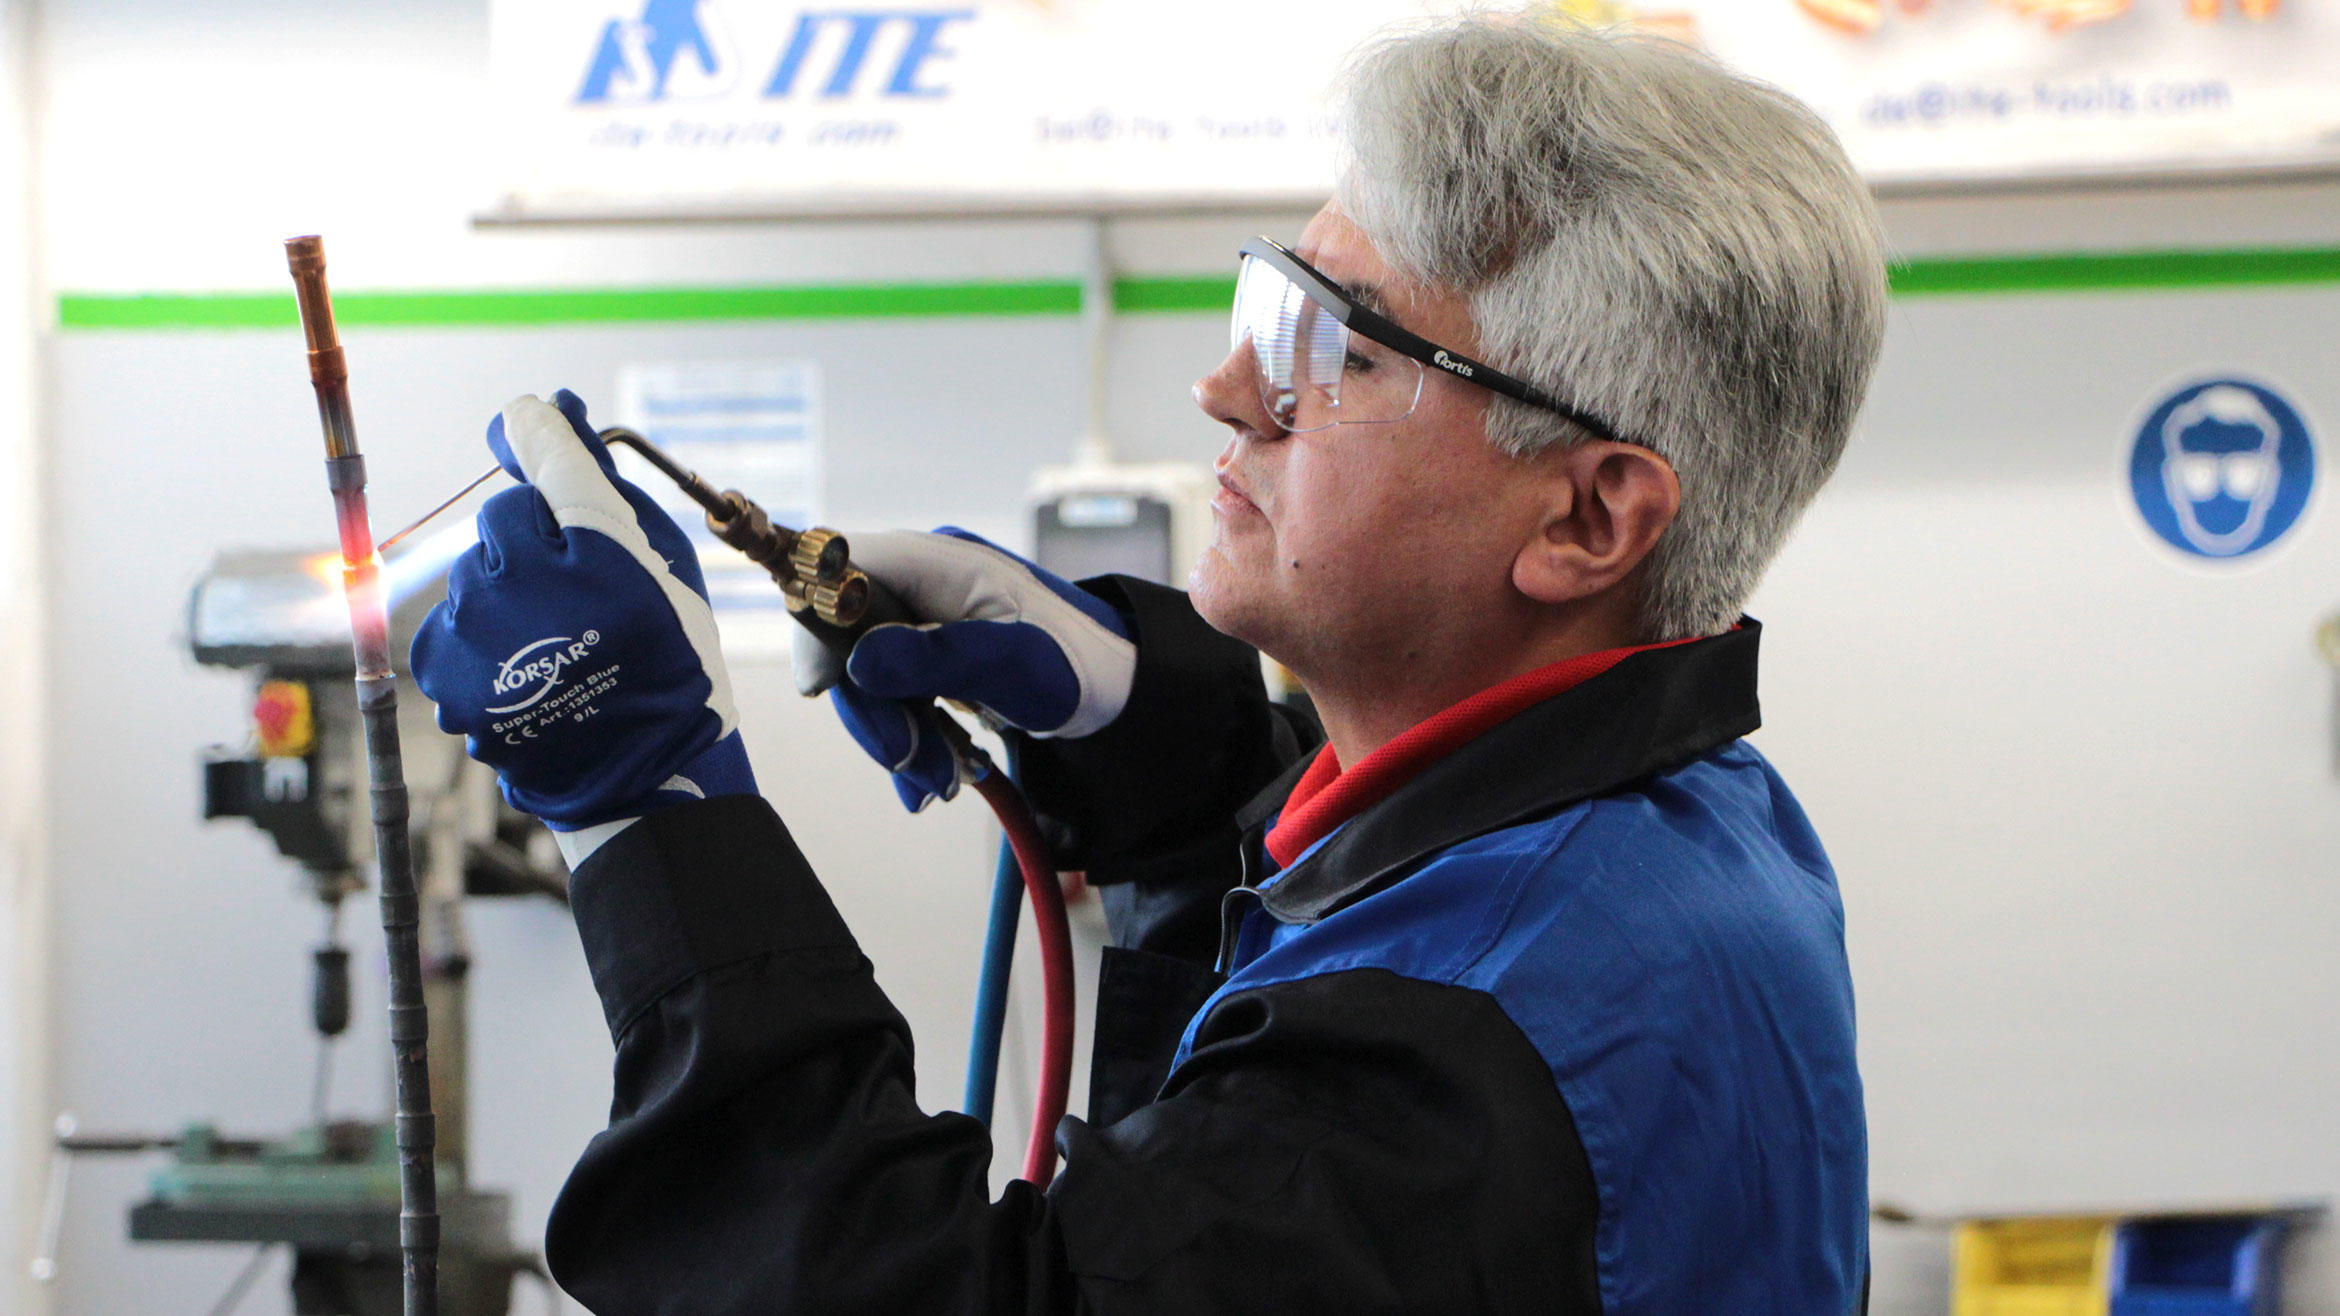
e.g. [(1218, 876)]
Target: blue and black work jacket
[(1563, 1025)]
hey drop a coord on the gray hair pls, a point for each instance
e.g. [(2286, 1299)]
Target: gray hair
[(1680, 251)]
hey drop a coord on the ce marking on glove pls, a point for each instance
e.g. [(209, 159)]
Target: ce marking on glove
[(574, 704)]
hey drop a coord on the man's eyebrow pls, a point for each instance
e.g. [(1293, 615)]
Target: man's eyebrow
[(1370, 297)]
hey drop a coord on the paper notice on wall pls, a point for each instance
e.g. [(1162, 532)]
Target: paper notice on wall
[(753, 426)]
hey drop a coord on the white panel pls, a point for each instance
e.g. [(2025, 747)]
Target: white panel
[(2206, 217), (717, 107), (698, 106)]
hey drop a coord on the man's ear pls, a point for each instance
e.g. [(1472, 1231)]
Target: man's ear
[(1607, 504)]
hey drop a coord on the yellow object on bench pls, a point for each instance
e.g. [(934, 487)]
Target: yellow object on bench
[(2033, 1266)]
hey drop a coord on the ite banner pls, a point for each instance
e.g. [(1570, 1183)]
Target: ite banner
[(653, 108)]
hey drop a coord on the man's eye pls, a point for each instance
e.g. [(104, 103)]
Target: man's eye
[(1356, 363)]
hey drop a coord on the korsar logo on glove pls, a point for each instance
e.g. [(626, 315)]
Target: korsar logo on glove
[(552, 656), (554, 693)]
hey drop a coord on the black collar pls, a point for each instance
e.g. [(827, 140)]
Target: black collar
[(1653, 711)]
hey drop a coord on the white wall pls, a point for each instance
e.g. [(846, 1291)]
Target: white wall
[(23, 910), (2081, 795)]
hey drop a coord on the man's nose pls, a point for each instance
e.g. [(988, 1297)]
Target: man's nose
[(1230, 395)]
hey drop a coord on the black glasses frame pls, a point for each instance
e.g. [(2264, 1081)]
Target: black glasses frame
[(1381, 329)]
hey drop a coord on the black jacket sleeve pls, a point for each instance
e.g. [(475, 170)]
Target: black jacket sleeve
[(1146, 807), (1356, 1143)]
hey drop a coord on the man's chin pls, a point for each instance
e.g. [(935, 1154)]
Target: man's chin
[(1216, 588)]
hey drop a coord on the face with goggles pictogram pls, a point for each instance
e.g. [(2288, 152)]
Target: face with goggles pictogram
[(2223, 468), (2220, 468)]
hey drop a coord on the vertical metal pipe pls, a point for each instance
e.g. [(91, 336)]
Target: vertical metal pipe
[(377, 692), (1094, 447), (446, 960)]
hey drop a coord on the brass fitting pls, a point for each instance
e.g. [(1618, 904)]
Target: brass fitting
[(821, 555), (842, 603), (813, 568)]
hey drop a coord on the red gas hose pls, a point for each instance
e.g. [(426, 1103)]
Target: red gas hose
[(1056, 971)]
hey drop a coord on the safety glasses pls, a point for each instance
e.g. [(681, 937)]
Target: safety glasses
[(1325, 358)]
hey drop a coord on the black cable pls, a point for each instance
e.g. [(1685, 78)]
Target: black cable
[(242, 1284), (321, 1082), (328, 1007)]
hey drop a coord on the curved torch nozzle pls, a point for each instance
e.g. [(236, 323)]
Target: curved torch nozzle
[(814, 568)]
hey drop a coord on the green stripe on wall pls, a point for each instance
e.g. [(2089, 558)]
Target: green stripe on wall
[(1211, 293), (2118, 270), (1922, 278), (572, 306)]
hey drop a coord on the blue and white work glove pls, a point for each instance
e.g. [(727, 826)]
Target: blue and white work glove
[(1026, 647), (575, 650)]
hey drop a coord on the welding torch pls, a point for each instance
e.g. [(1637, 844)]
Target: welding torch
[(825, 592), (838, 603)]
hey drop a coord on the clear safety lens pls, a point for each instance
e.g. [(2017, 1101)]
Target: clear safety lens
[(1314, 373)]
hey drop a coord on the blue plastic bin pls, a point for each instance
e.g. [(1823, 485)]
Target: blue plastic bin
[(2206, 1266)]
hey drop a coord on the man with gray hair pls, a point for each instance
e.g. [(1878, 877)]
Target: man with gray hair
[(1519, 985)]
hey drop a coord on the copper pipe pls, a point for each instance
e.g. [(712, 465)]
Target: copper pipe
[(377, 692)]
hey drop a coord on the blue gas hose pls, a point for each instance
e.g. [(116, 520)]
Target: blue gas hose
[(991, 990)]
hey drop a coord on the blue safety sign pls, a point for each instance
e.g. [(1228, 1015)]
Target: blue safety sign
[(2222, 468)]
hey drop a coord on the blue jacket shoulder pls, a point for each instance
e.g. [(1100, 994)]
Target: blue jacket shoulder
[(1675, 952)]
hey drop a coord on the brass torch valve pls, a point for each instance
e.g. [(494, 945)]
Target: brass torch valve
[(814, 568)]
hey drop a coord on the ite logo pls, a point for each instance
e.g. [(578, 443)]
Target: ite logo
[(676, 51), (1445, 362), (539, 665), (635, 62)]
